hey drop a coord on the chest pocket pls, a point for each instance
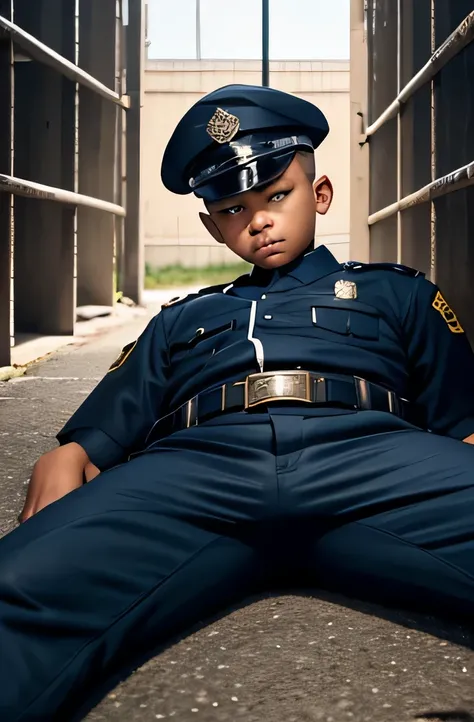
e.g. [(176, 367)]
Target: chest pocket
[(346, 321), (203, 334)]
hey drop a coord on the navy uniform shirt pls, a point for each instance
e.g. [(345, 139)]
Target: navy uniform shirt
[(398, 331)]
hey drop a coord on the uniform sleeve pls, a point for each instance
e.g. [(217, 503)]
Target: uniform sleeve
[(116, 417), (441, 363)]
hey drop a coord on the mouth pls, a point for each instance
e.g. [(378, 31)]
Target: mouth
[(270, 248)]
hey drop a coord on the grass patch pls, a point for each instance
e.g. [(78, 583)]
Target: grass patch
[(177, 275)]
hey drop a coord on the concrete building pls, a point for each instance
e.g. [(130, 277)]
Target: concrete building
[(172, 230)]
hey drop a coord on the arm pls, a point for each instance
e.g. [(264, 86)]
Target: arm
[(55, 474), (116, 417), (112, 422), (441, 363)]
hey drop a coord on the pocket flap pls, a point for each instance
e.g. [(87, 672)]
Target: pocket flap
[(331, 319), (346, 322), (202, 334), (362, 325)]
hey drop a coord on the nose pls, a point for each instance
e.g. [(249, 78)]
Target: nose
[(259, 222)]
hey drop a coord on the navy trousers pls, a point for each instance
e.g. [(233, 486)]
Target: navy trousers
[(362, 503)]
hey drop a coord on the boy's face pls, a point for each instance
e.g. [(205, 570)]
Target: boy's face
[(271, 226)]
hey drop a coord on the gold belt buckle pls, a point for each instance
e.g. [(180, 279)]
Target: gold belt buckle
[(281, 386)]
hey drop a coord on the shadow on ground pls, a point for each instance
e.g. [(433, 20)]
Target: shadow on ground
[(299, 657)]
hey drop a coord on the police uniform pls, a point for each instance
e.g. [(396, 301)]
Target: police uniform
[(301, 424)]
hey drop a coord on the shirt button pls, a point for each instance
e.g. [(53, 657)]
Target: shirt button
[(264, 297), (268, 317)]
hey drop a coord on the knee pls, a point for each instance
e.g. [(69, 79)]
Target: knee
[(17, 577), (23, 566)]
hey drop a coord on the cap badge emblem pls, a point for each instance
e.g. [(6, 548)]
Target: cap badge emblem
[(345, 289), (223, 126)]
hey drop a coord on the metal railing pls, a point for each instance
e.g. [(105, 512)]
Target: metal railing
[(455, 180), (37, 50), (40, 52), (29, 189), (462, 36), (61, 146)]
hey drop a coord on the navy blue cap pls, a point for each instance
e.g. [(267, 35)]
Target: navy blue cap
[(214, 149)]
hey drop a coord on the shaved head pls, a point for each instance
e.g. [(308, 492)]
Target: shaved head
[(307, 162)]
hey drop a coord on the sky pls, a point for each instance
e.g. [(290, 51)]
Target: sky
[(299, 29)]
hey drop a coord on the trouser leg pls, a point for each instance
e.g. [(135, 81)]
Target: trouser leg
[(388, 516), (100, 577)]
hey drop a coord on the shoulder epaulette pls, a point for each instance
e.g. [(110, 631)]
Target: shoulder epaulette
[(397, 267), (178, 300), (218, 288), (192, 296)]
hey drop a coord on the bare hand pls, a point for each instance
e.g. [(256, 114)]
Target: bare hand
[(55, 474), (91, 471)]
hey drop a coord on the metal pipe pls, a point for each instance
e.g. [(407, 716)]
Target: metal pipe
[(265, 43), (462, 36), (399, 130), (454, 181), (28, 189), (198, 29), (134, 249), (37, 50), (433, 224)]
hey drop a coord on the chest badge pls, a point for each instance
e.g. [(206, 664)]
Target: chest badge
[(345, 289)]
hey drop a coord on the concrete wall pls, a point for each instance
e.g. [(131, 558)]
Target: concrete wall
[(173, 231)]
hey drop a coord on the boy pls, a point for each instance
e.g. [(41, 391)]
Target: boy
[(303, 423)]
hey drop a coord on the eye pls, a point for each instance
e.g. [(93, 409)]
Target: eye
[(277, 197), (231, 211)]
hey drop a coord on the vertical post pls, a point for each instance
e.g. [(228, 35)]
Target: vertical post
[(415, 141), (359, 155), (119, 131), (44, 152), (382, 74), (134, 247), (265, 43), (6, 199), (97, 154), (198, 29), (433, 151), (399, 130)]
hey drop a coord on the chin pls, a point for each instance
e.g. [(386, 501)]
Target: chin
[(276, 260)]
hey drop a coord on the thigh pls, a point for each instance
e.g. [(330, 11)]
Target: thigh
[(403, 532), (100, 577)]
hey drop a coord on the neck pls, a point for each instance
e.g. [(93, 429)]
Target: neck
[(259, 272)]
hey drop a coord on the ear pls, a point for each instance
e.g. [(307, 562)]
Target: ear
[(211, 227), (323, 194)]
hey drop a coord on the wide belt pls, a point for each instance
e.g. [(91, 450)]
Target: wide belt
[(284, 388)]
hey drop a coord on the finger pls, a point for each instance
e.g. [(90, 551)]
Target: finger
[(24, 516), (91, 471)]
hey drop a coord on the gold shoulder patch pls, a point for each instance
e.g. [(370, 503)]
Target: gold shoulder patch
[(440, 305), (123, 356)]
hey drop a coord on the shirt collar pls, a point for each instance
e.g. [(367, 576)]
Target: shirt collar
[(314, 265), (306, 269)]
